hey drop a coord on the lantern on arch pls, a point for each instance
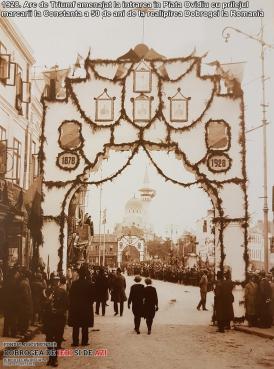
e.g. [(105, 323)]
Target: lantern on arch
[(142, 108), (142, 78), (104, 108), (179, 107)]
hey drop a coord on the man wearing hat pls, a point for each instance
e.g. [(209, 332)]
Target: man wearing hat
[(136, 296), (81, 298), (55, 307)]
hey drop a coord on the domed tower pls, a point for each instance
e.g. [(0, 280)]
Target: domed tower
[(134, 213)]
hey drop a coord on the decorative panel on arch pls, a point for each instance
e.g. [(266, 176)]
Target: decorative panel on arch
[(217, 135)]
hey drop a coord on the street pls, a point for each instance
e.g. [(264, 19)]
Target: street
[(181, 338)]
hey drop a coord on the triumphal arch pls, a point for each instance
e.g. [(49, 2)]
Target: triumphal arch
[(144, 100)]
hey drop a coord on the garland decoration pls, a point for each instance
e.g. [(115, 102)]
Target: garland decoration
[(166, 143)]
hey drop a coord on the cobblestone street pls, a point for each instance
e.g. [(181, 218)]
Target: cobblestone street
[(181, 338)]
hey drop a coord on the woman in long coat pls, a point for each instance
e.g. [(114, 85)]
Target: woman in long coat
[(81, 298), (150, 303), (251, 301)]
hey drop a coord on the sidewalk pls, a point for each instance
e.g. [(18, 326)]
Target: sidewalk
[(261, 332), (32, 329)]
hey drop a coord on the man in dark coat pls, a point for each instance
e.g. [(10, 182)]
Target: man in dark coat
[(118, 294), (150, 303), (37, 288), (101, 291), (11, 303), (218, 303), (136, 296), (228, 300), (54, 317), (265, 295), (81, 298)]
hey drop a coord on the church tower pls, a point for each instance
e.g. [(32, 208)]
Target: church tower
[(146, 192), (146, 195)]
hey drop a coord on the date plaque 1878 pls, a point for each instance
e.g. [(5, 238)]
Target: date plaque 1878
[(68, 160)]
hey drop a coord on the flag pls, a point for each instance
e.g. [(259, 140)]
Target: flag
[(104, 217), (234, 70), (77, 64), (230, 70)]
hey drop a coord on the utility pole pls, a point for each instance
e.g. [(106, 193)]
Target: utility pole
[(264, 124)]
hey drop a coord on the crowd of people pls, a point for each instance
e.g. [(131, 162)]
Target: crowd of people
[(56, 300), (52, 301), (258, 299), (171, 273)]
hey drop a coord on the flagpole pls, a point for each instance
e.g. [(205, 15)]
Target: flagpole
[(100, 220)]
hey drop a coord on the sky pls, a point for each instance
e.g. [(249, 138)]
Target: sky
[(57, 41)]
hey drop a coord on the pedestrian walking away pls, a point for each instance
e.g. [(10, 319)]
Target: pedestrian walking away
[(136, 297), (81, 298), (150, 304)]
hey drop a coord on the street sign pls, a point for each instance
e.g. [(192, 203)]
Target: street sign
[(218, 162), (67, 160), (3, 157)]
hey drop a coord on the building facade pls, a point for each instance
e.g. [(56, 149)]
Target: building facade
[(256, 247), (20, 122), (103, 247), (204, 232)]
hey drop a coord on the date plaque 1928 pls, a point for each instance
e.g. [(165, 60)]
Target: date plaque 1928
[(68, 160), (219, 162)]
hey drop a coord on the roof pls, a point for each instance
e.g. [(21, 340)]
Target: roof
[(141, 51), (134, 203), (107, 237), (17, 37)]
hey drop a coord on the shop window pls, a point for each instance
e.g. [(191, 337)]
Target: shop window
[(16, 161), (3, 133), (19, 90), (205, 226)]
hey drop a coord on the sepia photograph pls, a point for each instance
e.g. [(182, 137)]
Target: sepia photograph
[(137, 184)]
